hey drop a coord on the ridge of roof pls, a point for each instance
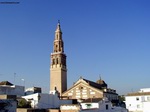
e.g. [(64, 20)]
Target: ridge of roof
[(94, 84), (138, 94)]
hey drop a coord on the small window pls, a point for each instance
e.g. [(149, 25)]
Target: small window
[(53, 62), (81, 87), (138, 106), (57, 61), (137, 98), (148, 98), (106, 107)]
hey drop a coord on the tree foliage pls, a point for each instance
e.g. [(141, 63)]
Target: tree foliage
[(22, 103)]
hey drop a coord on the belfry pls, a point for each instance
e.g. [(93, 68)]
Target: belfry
[(58, 68), (81, 90)]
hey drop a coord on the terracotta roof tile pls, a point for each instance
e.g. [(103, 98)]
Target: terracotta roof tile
[(6, 83), (138, 94)]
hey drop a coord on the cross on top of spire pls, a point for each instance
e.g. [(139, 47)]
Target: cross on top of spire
[(58, 26), (59, 22)]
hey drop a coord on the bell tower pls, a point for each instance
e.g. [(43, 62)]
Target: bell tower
[(58, 68)]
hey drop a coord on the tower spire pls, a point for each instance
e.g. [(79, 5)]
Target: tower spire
[(58, 29), (58, 42)]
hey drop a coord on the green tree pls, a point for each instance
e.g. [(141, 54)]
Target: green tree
[(121, 98), (22, 103)]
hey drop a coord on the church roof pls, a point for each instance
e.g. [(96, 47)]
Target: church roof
[(93, 84), (6, 83), (90, 83), (93, 100), (101, 82)]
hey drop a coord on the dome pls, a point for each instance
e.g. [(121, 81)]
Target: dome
[(102, 83)]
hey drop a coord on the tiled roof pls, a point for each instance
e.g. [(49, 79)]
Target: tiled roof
[(6, 83), (93, 84), (138, 94), (102, 83), (92, 100)]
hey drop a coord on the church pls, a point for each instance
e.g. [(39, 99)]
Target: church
[(81, 90)]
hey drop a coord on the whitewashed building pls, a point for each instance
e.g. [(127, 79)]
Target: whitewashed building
[(45, 101), (93, 105), (10, 89), (33, 90), (138, 101)]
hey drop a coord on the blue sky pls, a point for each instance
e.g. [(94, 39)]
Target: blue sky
[(107, 38)]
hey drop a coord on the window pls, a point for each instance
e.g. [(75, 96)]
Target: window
[(57, 61), (148, 98), (53, 62), (138, 106), (56, 47), (88, 105), (106, 107), (81, 87), (137, 98)]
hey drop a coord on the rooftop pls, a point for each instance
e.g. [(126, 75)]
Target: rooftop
[(138, 94), (6, 83)]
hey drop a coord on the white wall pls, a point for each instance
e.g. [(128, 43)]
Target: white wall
[(70, 107), (44, 101), (146, 107), (143, 104), (102, 107), (95, 107), (145, 90)]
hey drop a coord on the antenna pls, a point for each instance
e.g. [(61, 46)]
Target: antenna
[(100, 77), (14, 78)]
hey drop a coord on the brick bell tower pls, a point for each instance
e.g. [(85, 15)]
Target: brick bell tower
[(58, 68)]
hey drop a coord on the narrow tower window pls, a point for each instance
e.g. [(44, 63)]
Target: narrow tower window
[(56, 48), (57, 61), (53, 61)]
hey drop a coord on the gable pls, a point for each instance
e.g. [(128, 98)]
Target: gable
[(82, 90)]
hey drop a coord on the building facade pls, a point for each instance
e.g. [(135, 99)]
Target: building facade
[(58, 68), (138, 101), (97, 105), (10, 89), (85, 89), (33, 90), (45, 101)]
